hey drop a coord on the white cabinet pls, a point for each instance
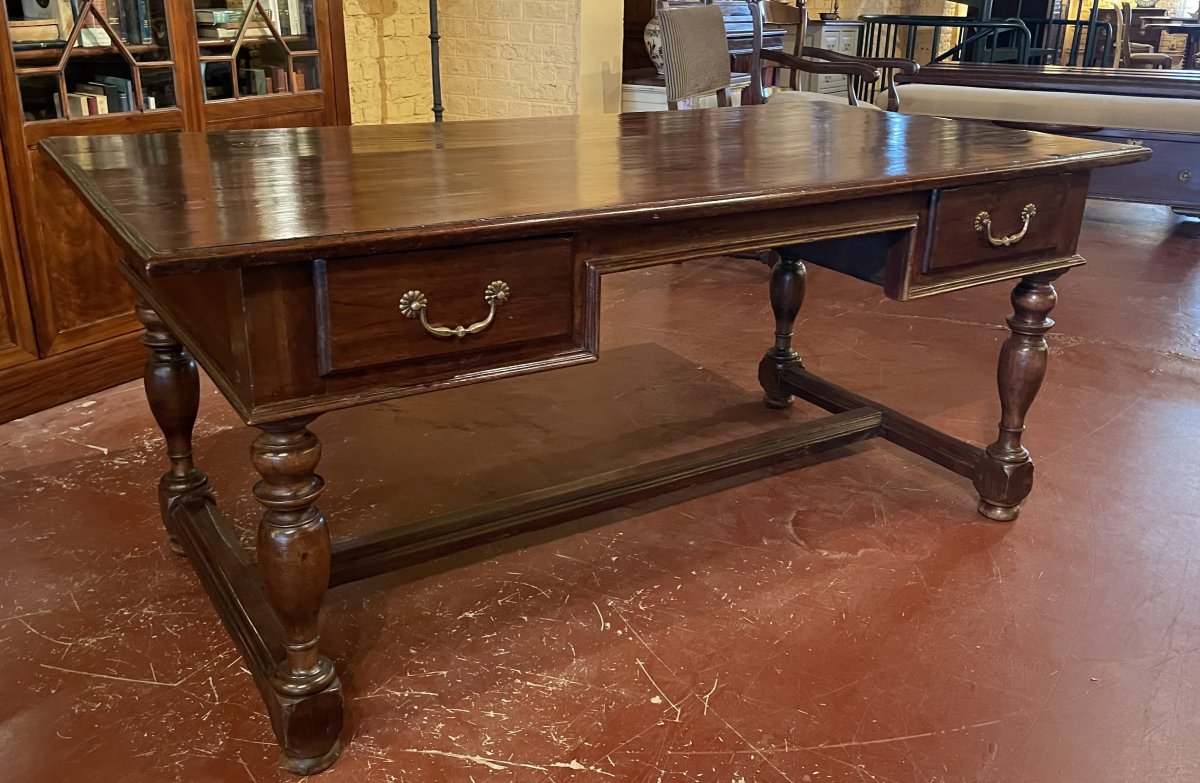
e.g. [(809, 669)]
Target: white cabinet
[(841, 37)]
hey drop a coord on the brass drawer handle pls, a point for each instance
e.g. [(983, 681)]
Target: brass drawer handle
[(983, 223), (414, 304)]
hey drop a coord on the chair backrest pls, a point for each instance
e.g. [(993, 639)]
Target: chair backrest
[(787, 15), (1124, 22), (695, 51)]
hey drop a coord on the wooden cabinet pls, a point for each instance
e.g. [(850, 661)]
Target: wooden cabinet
[(92, 67), (16, 330)]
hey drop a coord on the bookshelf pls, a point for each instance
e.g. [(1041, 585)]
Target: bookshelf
[(89, 67)]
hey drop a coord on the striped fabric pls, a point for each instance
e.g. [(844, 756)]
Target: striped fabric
[(695, 50)]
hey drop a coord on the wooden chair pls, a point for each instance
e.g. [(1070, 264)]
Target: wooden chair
[(697, 62), (814, 60), (1135, 55), (790, 16), (695, 53)]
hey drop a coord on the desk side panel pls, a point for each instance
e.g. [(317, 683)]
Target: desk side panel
[(204, 311)]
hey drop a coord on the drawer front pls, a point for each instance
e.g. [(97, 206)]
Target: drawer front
[(848, 42), (368, 318), (1171, 177), (961, 231)]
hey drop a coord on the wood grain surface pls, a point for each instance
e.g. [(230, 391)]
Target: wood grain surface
[(263, 196)]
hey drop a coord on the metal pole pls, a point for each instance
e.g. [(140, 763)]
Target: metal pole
[(435, 56)]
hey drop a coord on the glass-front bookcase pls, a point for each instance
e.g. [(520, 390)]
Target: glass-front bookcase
[(84, 58), (90, 67), (259, 47), (80, 58)]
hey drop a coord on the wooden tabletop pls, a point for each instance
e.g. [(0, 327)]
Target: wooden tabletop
[(1055, 78), (181, 201)]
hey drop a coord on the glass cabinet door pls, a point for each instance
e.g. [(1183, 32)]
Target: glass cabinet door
[(84, 58), (251, 48)]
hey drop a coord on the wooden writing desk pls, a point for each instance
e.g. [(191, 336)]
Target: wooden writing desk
[(309, 269)]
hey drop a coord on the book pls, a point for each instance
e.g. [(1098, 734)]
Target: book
[(32, 46), (97, 98), (256, 81), (93, 33), (112, 92), (220, 15), (223, 33), (278, 79), (136, 15), (77, 104), (269, 9), (293, 13), (34, 30), (119, 92)]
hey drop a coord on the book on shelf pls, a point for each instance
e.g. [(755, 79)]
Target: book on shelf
[(92, 32), (97, 98), (119, 92), (290, 17), (33, 46), (34, 30), (229, 32), (77, 104), (256, 81), (220, 16), (269, 9)]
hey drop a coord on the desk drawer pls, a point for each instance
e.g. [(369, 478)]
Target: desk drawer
[(960, 215), (369, 309)]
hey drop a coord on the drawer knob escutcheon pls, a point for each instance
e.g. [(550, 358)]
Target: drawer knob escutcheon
[(983, 224), (414, 304)]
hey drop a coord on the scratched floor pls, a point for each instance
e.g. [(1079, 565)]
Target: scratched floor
[(854, 621)]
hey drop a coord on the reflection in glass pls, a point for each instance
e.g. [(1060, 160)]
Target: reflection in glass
[(39, 97), (158, 88)]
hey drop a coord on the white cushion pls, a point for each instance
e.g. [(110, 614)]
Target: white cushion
[(1068, 108), (797, 96)]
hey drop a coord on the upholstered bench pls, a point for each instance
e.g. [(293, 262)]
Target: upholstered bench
[(1156, 109)]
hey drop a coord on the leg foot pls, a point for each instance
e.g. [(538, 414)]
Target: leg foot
[(1004, 477), (173, 391), (294, 561), (787, 295)]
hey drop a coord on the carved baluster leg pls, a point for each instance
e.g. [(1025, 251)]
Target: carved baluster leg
[(173, 391), (1004, 476), (294, 561), (787, 294)]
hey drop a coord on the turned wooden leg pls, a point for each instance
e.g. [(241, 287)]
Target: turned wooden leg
[(1004, 476), (787, 294), (173, 391), (294, 561)]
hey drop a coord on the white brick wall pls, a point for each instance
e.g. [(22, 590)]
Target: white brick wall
[(387, 56), (509, 58)]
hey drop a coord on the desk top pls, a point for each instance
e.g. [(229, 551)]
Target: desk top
[(1058, 78), (188, 201)]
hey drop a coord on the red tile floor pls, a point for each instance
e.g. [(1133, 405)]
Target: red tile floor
[(852, 621)]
